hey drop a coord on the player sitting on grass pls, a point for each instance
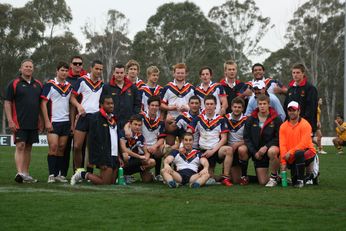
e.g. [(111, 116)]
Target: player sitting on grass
[(135, 152), (103, 146), (186, 166)]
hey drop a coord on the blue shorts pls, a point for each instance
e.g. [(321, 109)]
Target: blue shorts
[(213, 159), (27, 136), (61, 128), (83, 123), (186, 175), (133, 166)]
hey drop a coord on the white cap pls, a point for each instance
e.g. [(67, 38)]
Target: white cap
[(294, 105), (258, 84)]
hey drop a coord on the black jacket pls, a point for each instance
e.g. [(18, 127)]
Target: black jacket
[(127, 101), (256, 137), (99, 140), (306, 95)]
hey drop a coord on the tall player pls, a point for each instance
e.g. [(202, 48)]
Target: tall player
[(56, 95)]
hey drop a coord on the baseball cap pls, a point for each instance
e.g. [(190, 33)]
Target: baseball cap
[(258, 85), (294, 105)]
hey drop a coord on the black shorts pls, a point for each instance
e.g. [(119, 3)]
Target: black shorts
[(307, 162), (262, 163), (61, 128), (112, 163), (27, 136), (343, 143), (83, 123), (213, 159), (133, 166), (235, 161), (186, 175)]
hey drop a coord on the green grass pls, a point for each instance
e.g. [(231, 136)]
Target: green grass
[(156, 207)]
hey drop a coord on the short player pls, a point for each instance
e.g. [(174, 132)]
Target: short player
[(56, 100), (103, 146), (186, 166), (212, 134), (340, 140), (134, 151)]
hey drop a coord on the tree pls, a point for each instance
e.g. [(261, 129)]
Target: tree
[(113, 45), (53, 14), (316, 39), (179, 32), (58, 48), (243, 27), (20, 32)]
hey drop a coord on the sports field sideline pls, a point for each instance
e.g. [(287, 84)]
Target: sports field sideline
[(156, 207)]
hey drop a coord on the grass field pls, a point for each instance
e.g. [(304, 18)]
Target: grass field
[(156, 207)]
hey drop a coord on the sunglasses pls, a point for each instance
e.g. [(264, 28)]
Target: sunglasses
[(77, 64)]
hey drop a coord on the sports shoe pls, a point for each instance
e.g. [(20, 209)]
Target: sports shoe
[(299, 184), (158, 178), (272, 182), (51, 179), (244, 180), (227, 182), (61, 179), (29, 179), (172, 184), (129, 179), (195, 185), (210, 181), (77, 176), (19, 178), (340, 152), (322, 152)]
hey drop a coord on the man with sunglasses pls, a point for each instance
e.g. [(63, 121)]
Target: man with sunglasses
[(74, 73)]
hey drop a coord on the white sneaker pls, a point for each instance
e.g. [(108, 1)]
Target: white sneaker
[(77, 176), (322, 152), (51, 179), (340, 152), (299, 184), (29, 179), (210, 181), (272, 182), (61, 179), (159, 178)]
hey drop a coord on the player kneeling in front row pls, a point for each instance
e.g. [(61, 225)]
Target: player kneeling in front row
[(135, 152), (103, 145), (296, 147), (186, 165)]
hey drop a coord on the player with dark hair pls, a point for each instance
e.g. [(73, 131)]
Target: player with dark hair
[(55, 108), (103, 146), (212, 133), (134, 151), (90, 88), (127, 101), (187, 165)]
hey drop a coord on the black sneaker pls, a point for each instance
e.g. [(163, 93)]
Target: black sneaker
[(299, 184), (19, 178)]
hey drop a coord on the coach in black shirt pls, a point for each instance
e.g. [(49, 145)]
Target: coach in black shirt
[(22, 108)]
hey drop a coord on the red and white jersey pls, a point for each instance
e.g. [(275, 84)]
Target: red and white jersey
[(90, 92), (191, 160), (215, 89), (172, 95), (152, 130), (209, 130), (235, 127), (145, 92), (58, 97)]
